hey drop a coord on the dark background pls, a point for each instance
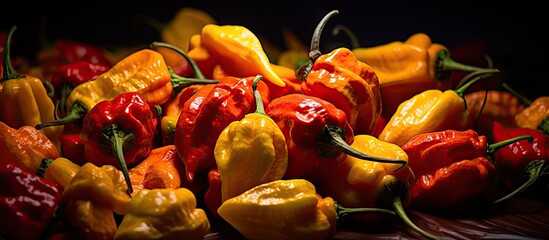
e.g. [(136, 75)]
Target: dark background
[(511, 35)]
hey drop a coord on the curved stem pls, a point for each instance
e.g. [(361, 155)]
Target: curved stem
[(66, 89), (259, 108), (342, 212), (444, 63), (522, 98), (492, 148), (331, 143), (182, 82), (76, 112), (480, 75), (50, 90), (535, 169), (114, 135), (9, 71), (399, 209), (342, 28), (197, 73)]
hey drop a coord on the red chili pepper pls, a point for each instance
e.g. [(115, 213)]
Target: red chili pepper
[(317, 134), (27, 202), (72, 74), (67, 51), (520, 159), (195, 136), (119, 132), (212, 197), (450, 163)]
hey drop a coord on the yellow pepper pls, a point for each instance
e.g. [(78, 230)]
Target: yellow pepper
[(186, 23), (238, 51), (163, 214), (24, 99), (91, 197), (60, 170), (535, 115), (251, 151), (429, 111)]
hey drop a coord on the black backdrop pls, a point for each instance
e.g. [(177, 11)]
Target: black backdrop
[(512, 35)]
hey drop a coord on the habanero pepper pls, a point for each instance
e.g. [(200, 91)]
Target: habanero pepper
[(229, 100), (212, 196), (536, 113), (72, 146), (357, 183), (450, 163), (60, 170), (24, 100), (286, 209), (430, 111), (27, 202), (250, 151), (346, 82), (317, 135), (520, 164), (119, 132)]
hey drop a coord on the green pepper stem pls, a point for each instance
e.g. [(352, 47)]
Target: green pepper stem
[(66, 90), (479, 75), (115, 135), (444, 64), (342, 28), (535, 169), (331, 143), (182, 82), (544, 126), (9, 71), (342, 212), (399, 209), (258, 100), (197, 73), (522, 98), (314, 51), (492, 148), (44, 164), (77, 112)]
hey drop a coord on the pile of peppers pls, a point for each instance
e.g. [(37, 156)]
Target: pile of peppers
[(205, 129)]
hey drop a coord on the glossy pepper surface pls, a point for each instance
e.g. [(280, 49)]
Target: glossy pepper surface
[(229, 100), (520, 164), (60, 170), (430, 111), (119, 132), (91, 199), (25, 146), (317, 135), (238, 51), (169, 213), (24, 99), (250, 151), (535, 115), (27, 202), (346, 82)]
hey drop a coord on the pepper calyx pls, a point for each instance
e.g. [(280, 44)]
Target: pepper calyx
[(77, 111), (116, 139)]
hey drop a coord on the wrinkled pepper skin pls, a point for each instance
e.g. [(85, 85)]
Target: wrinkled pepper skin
[(448, 163), (302, 118), (229, 100), (91, 199), (119, 132), (349, 84), (60, 170), (282, 209), (171, 111), (24, 99), (161, 169), (250, 151), (535, 115), (238, 51), (163, 214), (26, 146), (27, 202)]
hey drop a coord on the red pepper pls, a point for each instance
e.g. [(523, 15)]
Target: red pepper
[(27, 202), (212, 197), (119, 132), (195, 136), (520, 159), (450, 163), (317, 134), (72, 74)]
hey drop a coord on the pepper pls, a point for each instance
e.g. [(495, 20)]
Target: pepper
[(186, 22), (536, 113), (144, 71), (24, 99), (238, 51), (119, 132), (26, 146), (288, 76), (27, 202), (200, 55), (357, 183), (212, 196), (60, 170), (72, 146), (91, 199), (168, 213), (429, 111), (451, 163), (161, 169), (346, 82), (229, 100), (72, 74), (286, 209), (520, 161), (318, 135), (250, 151), (296, 52)]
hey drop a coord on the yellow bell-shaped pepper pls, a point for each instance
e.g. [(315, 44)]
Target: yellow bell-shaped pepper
[(163, 214), (251, 151)]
